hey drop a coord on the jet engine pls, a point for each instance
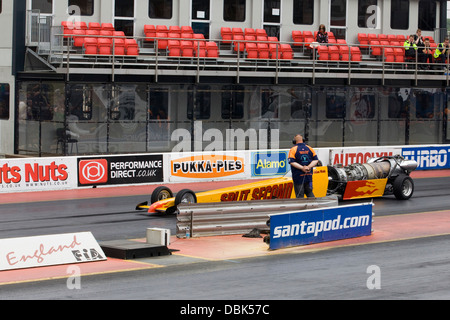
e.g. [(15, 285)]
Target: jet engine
[(395, 168)]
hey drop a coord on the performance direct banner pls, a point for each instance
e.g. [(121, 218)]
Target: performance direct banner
[(120, 170), (320, 225)]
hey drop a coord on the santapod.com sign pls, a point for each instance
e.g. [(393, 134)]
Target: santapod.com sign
[(320, 225)]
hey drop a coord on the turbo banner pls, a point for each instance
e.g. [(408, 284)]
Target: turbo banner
[(120, 170)]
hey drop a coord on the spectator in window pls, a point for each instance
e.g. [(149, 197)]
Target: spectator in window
[(322, 35)]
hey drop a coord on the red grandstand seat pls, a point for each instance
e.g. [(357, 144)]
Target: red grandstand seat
[(261, 38), (252, 50), (174, 48), (375, 47), (150, 32), (401, 38), (263, 50), (333, 52), (119, 46), (108, 26), (272, 39), (322, 52), (274, 50), (187, 36), (344, 53), (67, 29), (162, 40), (226, 34), (92, 32), (372, 37), (384, 43), (90, 46), (355, 54), (249, 32), (187, 48), (391, 38), (162, 29), (399, 54), (331, 35), (200, 49), (95, 26), (212, 50), (286, 51), (363, 40), (175, 29), (237, 31), (106, 33), (341, 42), (186, 29), (132, 48), (332, 41), (81, 25), (174, 35), (382, 37), (308, 38), (78, 37), (261, 32), (238, 45), (118, 34), (389, 54), (104, 46), (297, 38), (249, 38)]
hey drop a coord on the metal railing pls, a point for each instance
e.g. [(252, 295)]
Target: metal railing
[(231, 218)]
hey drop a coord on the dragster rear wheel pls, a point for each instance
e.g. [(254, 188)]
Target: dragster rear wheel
[(403, 187)]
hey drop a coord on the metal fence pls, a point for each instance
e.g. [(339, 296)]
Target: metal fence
[(231, 218)]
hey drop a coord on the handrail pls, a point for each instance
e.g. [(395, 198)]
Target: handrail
[(230, 218)]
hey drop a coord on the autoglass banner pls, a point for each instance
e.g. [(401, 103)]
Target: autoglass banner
[(320, 225)]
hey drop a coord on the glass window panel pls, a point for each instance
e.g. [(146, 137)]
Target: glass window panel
[(427, 15), (400, 14), (366, 13), (338, 14), (272, 11), (234, 10), (86, 6), (45, 6), (303, 11), (4, 101), (200, 9), (124, 8), (160, 9)]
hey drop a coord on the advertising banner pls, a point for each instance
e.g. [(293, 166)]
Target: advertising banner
[(40, 251), (269, 163), (120, 170), (350, 156), (206, 166), (429, 158), (320, 225), (37, 174)]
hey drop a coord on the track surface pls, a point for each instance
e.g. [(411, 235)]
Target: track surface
[(409, 246)]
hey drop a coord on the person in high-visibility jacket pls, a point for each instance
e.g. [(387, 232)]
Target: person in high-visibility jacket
[(410, 47), (441, 51)]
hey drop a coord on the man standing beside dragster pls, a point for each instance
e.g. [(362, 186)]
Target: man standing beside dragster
[(302, 159)]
